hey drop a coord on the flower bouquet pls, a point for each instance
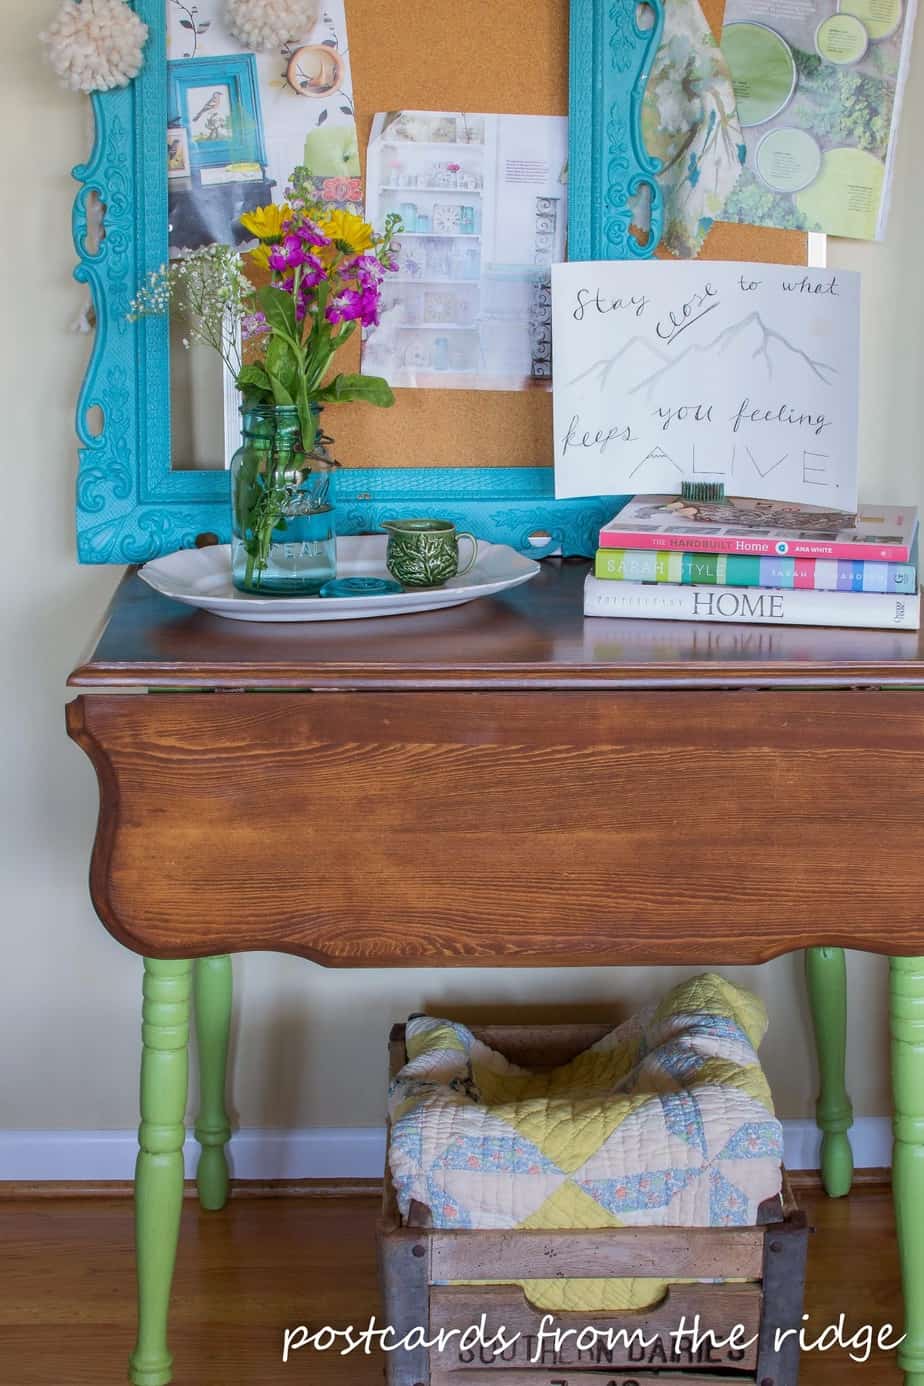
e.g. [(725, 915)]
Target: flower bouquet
[(278, 314)]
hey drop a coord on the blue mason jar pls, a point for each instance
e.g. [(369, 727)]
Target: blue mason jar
[(283, 536)]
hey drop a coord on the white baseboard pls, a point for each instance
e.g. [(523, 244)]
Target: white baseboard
[(328, 1153), (254, 1154), (870, 1139)]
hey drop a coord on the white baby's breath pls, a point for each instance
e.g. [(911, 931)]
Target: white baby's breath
[(207, 285)]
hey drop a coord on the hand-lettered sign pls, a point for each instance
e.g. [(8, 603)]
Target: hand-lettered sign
[(742, 373)]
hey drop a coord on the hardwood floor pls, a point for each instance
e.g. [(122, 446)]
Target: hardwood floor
[(67, 1295)]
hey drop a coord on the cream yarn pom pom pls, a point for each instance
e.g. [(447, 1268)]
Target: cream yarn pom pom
[(95, 45), (263, 24)]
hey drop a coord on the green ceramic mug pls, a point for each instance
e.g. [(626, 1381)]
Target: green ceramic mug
[(425, 553)]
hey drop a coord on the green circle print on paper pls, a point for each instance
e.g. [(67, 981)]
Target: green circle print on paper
[(880, 18), (844, 199), (788, 160), (763, 70), (841, 39)]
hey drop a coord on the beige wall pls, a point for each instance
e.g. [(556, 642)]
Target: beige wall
[(309, 1044)]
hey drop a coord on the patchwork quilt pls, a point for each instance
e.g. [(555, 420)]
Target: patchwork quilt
[(668, 1120)]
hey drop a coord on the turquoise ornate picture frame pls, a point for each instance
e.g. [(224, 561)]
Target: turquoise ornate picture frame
[(611, 59), (131, 504)]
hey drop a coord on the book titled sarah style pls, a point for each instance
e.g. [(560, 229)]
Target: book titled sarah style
[(763, 606), (740, 570), (762, 529)]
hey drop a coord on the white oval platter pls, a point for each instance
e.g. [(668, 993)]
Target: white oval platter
[(202, 578)]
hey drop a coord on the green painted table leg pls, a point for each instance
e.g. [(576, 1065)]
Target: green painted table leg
[(213, 1025), (907, 1025), (826, 975), (159, 1171)]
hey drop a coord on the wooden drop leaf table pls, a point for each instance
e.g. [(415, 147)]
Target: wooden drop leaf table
[(502, 784)]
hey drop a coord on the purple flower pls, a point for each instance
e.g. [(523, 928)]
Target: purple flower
[(312, 272), (367, 268), (352, 304), (254, 325), (294, 251), (311, 234), (306, 300), (369, 311), (345, 306), (361, 291)]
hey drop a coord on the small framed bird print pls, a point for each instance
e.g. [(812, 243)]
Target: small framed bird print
[(215, 102)]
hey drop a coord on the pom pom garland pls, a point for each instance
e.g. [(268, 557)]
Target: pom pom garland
[(266, 24), (95, 45)]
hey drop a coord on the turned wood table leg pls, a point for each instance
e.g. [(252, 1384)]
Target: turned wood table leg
[(826, 975), (212, 982), (159, 1171), (907, 1025)]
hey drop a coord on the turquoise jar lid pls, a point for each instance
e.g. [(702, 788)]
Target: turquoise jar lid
[(360, 587)]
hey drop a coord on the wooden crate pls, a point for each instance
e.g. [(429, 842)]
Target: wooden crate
[(416, 1261)]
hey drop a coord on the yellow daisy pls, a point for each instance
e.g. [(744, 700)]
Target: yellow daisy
[(259, 256), (266, 222), (351, 233)]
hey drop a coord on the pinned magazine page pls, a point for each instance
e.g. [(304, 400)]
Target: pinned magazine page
[(482, 201), (668, 372), (239, 122), (819, 88)]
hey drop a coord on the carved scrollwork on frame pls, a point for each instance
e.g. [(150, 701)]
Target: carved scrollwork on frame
[(512, 506), (611, 58), (130, 505)]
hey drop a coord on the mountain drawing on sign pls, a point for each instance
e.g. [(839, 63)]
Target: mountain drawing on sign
[(637, 355), (749, 338)]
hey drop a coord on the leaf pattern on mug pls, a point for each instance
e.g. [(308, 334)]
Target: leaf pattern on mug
[(424, 560)]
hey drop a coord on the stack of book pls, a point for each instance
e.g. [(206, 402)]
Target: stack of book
[(662, 558)]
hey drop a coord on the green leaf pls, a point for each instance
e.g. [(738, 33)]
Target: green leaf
[(255, 386), (279, 308), (308, 421), (256, 399), (371, 388), (282, 369), (253, 377)]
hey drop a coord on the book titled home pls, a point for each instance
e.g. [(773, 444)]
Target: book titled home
[(759, 605)]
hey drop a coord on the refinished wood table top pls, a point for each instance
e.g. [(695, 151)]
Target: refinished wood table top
[(533, 636), (516, 791)]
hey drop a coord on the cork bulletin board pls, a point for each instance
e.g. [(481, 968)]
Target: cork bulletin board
[(479, 56)]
